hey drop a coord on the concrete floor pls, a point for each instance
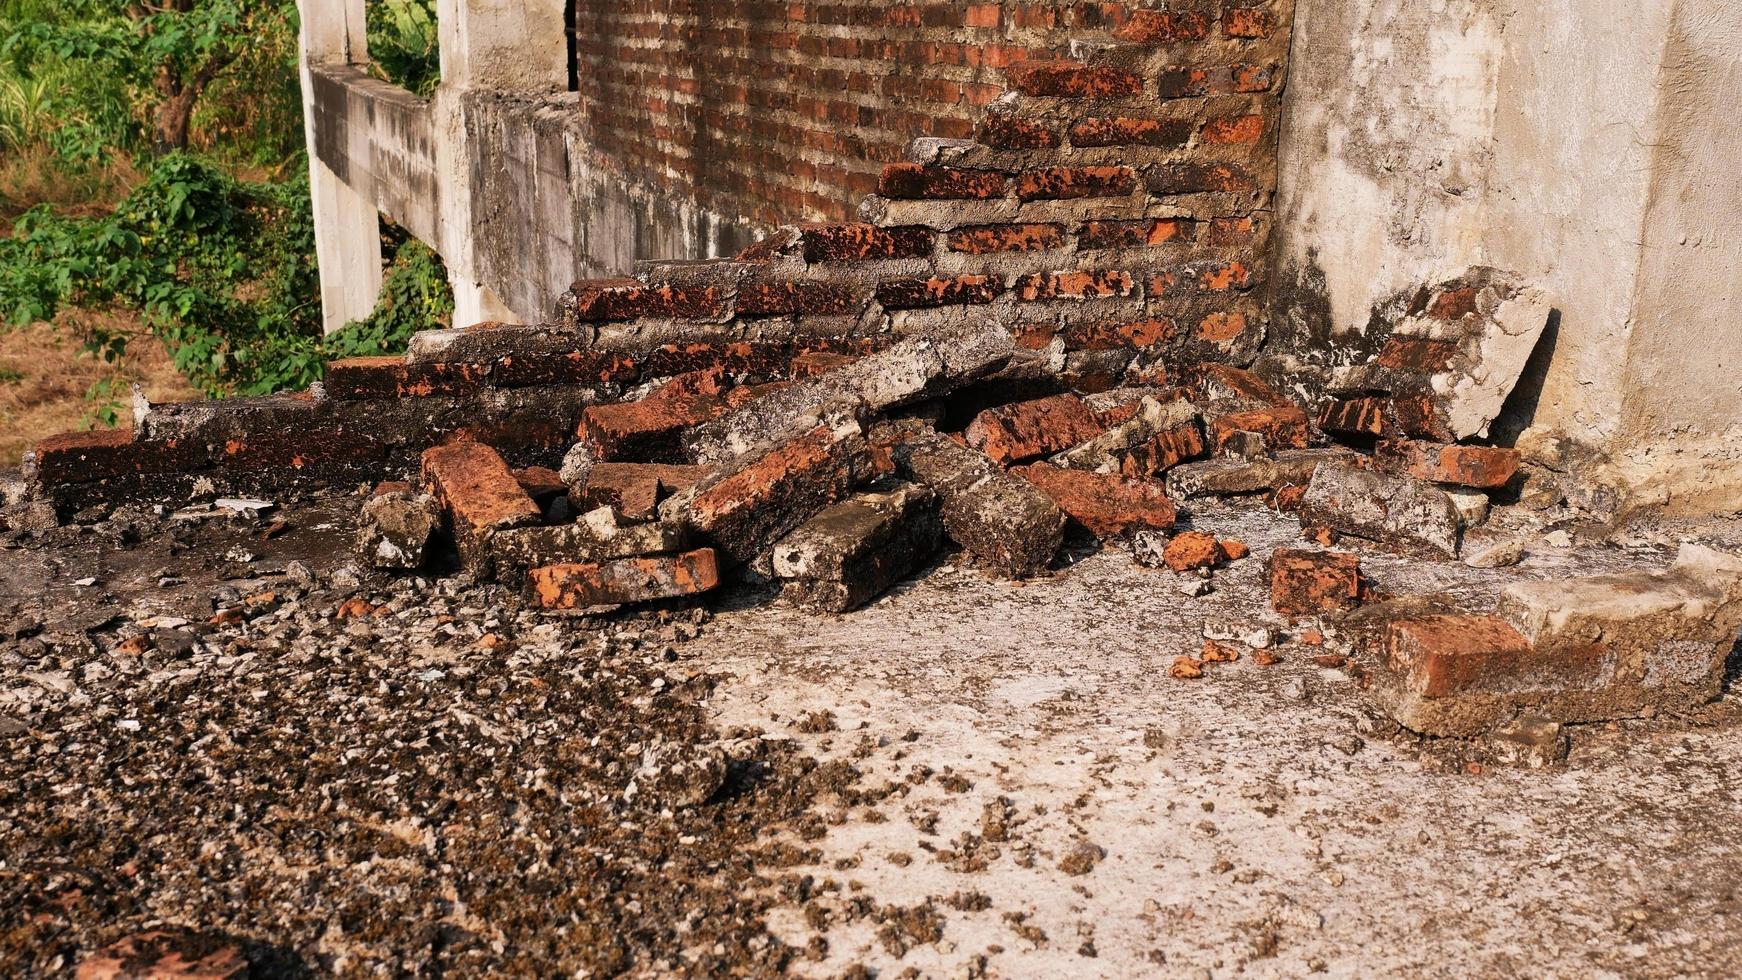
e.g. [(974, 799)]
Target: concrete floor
[(1256, 822)]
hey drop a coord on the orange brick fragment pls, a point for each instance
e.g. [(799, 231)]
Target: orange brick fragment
[(1106, 504), (1024, 430), (627, 580), (1191, 549), (1312, 583)]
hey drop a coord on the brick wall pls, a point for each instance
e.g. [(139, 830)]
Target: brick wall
[(782, 111), (1111, 212)]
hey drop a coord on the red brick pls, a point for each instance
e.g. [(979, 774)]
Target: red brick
[(476, 488), (810, 363), (579, 367), (1074, 285), (1248, 22), (1073, 183), (1231, 231), (1165, 27), (84, 457), (1443, 656), (634, 490), (1024, 430), (541, 483), (1314, 583), (907, 294), (747, 510), (1163, 452), (649, 430), (1067, 79), (759, 357), (1283, 427), (864, 242), (1221, 327), (1135, 335), (1216, 277), (1192, 82), (626, 580), (1233, 130), (1134, 233), (805, 298), (1106, 504), (1226, 383), (1126, 131), (982, 239), (1190, 550), (1003, 131), (1412, 417), (628, 299), (1200, 178), (917, 181), (1417, 354), (392, 377), (1481, 467)]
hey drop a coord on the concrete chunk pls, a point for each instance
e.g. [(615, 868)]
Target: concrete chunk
[(396, 528), (912, 370), (855, 550), (1003, 522), (1392, 510), (1234, 476)]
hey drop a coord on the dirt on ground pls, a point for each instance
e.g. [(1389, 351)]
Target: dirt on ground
[(220, 723), (46, 379)]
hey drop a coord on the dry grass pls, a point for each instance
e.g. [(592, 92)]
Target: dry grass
[(44, 377), (30, 176)]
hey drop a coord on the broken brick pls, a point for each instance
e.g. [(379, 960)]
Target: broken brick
[(1233, 476), (1025, 430), (853, 551), (624, 581), (757, 499), (166, 955), (1314, 583), (1480, 467), (1282, 427), (633, 490), (478, 492), (599, 535), (1002, 521), (651, 430), (1192, 549), (1106, 504), (1397, 511)]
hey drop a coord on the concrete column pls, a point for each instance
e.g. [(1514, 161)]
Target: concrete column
[(1587, 145), (475, 302), (347, 235)]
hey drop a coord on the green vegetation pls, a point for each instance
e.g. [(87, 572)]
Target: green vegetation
[(182, 118)]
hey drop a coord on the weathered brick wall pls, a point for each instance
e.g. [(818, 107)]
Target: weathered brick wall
[(1112, 213)]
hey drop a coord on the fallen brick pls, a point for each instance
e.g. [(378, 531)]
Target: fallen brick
[(854, 551), (1393, 510), (650, 430), (1230, 389), (597, 536), (633, 490), (1314, 583), (759, 497), (1002, 521), (624, 581), (1233, 476), (1191, 550), (1024, 430), (396, 528), (1157, 437), (478, 493), (1105, 504), (1386, 418), (1478, 467), (543, 484), (913, 370), (1281, 427)]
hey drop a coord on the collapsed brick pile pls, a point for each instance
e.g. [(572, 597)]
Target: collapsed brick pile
[(1058, 326)]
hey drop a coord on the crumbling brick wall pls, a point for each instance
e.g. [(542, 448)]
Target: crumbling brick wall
[(1112, 212)]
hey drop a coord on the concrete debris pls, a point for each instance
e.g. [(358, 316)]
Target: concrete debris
[(396, 529), (599, 535), (1503, 555), (1235, 476), (852, 552), (1400, 512)]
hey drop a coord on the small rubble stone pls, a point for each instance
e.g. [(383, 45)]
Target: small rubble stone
[(855, 550), (1397, 511), (166, 955), (1002, 521), (396, 528), (1314, 583), (624, 581), (1106, 504), (1529, 740), (1503, 555), (1192, 549), (677, 776), (1025, 430)]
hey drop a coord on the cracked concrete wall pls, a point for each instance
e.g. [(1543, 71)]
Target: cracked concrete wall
[(1584, 145)]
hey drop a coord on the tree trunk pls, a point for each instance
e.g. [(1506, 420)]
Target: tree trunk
[(173, 117)]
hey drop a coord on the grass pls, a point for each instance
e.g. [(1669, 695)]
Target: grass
[(44, 376)]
